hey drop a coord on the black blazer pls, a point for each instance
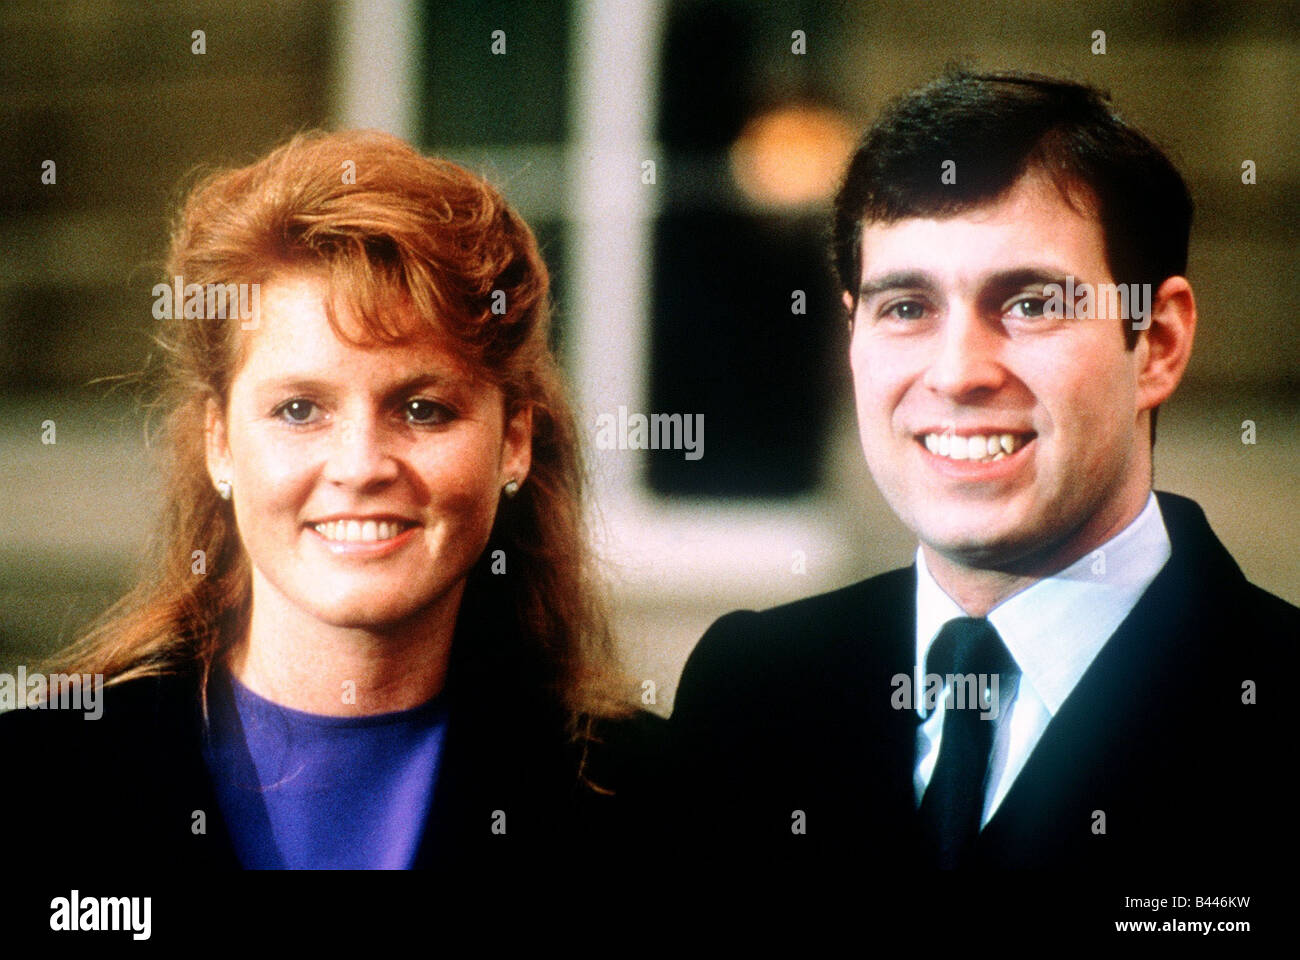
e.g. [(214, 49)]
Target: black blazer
[(789, 711), (122, 790)]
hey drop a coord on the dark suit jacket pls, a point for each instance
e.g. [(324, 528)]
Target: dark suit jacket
[(122, 790), (789, 710)]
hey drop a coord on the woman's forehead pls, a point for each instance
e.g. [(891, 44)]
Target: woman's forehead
[(304, 324)]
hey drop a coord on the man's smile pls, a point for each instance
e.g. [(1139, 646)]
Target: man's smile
[(985, 445), (944, 453)]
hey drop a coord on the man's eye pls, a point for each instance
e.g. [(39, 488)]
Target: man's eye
[(427, 412), (906, 310), (1031, 307), (296, 411)]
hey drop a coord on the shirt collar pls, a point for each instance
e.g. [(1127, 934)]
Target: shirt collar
[(1056, 626)]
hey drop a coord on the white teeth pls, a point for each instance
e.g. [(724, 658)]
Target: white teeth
[(356, 531), (978, 447)]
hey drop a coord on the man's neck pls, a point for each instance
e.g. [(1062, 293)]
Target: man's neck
[(977, 589)]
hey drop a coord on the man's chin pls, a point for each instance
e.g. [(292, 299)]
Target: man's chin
[(980, 549)]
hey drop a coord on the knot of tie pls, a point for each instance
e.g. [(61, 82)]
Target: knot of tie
[(969, 645)]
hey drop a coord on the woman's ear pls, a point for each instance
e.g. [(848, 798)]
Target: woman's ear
[(517, 445), (216, 443)]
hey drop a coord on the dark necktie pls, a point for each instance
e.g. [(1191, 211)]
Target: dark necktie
[(954, 799)]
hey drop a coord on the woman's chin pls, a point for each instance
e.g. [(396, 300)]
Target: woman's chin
[(366, 613)]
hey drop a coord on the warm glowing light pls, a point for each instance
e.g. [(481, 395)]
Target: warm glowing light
[(791, 156)]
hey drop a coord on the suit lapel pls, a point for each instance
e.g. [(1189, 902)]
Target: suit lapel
[(503, 765), (880, 644), (183, 777), (1088, 758)]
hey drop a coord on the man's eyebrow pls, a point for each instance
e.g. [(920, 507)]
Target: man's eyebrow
[(1003, 280), (1024, 277), (897, 280)]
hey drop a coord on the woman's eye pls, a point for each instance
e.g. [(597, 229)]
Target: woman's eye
[(906, 310), (427, 412), (296, 411)]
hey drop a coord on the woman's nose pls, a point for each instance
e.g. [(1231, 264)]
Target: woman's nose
[(358, 455)]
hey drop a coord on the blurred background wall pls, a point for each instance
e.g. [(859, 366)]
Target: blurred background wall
[(676, 158)]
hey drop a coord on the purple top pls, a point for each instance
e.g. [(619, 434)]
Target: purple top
[(306, 791)]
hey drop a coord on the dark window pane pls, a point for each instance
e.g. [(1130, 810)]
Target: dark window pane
[(472, 95), (726, 344)]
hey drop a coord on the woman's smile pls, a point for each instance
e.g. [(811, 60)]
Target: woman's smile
[(367, 537), (366, 476)]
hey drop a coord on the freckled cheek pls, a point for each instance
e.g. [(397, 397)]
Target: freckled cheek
[(462, 486), (278, 475)]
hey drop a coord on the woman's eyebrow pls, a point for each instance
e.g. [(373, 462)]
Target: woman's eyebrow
[(416, 381), (294, 383)]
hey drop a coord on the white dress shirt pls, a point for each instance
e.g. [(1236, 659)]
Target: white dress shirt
[(1053, 629)]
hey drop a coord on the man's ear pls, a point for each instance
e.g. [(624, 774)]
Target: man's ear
[(1165, 346), (216, 443), (517, 445), (849, 308)]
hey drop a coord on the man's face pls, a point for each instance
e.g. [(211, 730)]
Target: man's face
[(954, 365)]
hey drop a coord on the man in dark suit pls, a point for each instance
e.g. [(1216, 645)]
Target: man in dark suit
[(1074, 672)]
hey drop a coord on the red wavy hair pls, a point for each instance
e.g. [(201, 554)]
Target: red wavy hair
[(386, 225)]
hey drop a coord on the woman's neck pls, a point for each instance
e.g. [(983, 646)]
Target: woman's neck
[(294, 659)]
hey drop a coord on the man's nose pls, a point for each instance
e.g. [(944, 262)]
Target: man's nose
[(359, 454), (967, 354)]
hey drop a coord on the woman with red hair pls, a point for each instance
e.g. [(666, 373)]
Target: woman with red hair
[(369, 636)]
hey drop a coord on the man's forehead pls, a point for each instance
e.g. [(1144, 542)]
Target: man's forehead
[(1030, 226)]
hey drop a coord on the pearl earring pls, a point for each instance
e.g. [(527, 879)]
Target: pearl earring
[(223, 489), (511, 488)]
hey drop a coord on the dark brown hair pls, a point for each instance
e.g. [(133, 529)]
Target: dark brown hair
[(996, 127)]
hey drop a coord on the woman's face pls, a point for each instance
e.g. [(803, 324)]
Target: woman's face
[(366, 479)]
